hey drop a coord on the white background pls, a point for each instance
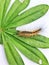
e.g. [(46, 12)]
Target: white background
[(43, 22)]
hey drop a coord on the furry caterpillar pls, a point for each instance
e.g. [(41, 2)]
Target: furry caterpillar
[(29, 34)]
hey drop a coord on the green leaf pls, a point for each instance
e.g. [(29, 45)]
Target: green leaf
[(41, 42), (12, 55), (41, 38), (37, 41), (29, 15), (12, 42), (29, 51), (36, 52), (7, 2), (15, 9), (12, 31), (8, 52), (2, 2), (12, 9)]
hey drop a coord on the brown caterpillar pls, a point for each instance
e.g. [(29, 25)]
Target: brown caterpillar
[(29, 34)]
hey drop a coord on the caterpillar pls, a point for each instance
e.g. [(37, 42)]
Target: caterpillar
[(29, 34)]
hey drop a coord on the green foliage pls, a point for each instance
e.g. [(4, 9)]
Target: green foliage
[(12, 42)]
